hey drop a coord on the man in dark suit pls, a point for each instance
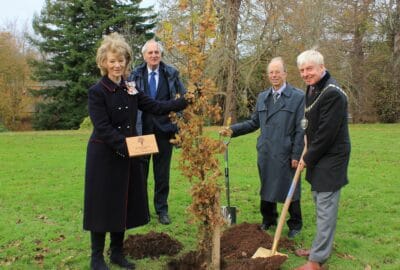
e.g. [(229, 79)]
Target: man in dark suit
[(161, 82), (328, 151), (279, 110)]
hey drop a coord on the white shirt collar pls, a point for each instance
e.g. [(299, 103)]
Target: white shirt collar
[(280, 89), (149, 70)]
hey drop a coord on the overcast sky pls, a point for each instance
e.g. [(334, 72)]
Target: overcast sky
[(21, 11)]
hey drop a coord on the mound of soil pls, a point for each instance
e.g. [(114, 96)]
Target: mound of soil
[(151, 245), (242, 241), (189, 261), (238, 244)]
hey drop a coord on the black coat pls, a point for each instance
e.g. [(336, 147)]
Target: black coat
[(115, 189), (328, 152), (169, 87)]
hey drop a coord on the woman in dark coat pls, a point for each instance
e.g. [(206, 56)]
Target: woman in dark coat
[(115, 189)]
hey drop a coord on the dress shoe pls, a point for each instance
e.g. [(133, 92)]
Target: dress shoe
[(264, 226), (293, 233), (120, 260), (302, 252), (310, 265), (164, 219), (98, 263)]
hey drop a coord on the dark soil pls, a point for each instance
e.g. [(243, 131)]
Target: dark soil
[(151, 245), (238, 244)]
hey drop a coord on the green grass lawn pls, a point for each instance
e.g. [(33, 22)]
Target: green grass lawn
[(41, 200)]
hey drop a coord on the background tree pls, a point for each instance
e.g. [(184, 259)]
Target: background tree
[(356, 37), (69, 32), (227, 76), (14, 80)]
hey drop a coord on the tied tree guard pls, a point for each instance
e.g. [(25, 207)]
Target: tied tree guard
[(198, 160)]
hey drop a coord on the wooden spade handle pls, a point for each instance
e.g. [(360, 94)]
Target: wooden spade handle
[(285, 208)]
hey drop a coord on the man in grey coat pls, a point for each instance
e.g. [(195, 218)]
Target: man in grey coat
[(278, 114)]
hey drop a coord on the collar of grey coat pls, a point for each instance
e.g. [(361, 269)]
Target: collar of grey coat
[(112, 86), (285, 92)]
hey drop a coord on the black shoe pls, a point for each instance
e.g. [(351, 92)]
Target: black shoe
[(293, 233), (120, 260), (164, 219), (264, 226), (98, 264)]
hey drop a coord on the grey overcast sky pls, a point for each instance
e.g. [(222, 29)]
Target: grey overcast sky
[(21, 11)]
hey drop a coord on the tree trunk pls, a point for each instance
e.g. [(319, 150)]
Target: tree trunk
[(216, 248), (362, 96), (396, 41), (396, 60), (232, 20)]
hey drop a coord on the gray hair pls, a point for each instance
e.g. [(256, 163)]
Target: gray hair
[(159, 46), (278, 59), (310, 56)]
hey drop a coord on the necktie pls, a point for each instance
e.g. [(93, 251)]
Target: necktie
[(152, 84), (275, 96), (311, 91)]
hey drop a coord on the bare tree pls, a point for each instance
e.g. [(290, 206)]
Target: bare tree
[(229, 70)]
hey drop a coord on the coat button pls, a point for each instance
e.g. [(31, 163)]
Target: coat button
[(119, 127), (128, 126)]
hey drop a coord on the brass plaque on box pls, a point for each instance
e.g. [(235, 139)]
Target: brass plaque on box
[(142, 145)]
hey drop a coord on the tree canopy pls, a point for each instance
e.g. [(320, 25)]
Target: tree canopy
[(68, 32), (358, 38)]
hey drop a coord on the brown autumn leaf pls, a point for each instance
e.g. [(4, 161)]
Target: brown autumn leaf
[(345, 256), (60, 238), (42, 217), (39, 258)]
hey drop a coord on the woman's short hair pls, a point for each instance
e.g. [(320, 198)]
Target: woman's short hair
[(114, 43), (310, 56)]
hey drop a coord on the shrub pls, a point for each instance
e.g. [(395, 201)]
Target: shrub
[(86, 124), (3, 128), (387, 103)]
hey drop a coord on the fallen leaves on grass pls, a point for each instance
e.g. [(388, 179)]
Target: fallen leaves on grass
[(8, 261), (58, 239), (345, 256), (39, 258)]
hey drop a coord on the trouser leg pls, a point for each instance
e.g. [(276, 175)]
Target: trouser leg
[(326, 204), (161, 170), (268, 212), (295, 222)]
